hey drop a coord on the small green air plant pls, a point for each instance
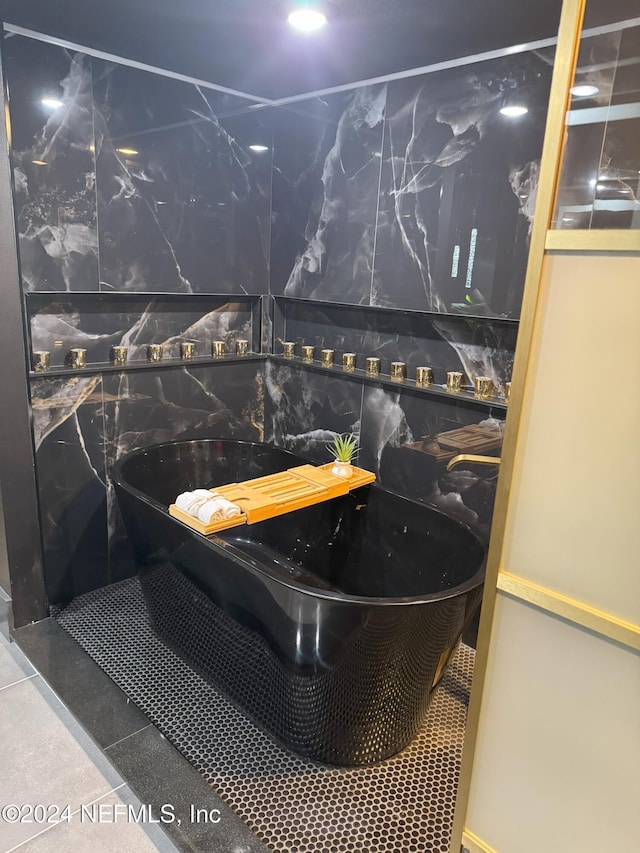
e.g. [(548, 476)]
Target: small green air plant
[(432, 428), (343, 447)]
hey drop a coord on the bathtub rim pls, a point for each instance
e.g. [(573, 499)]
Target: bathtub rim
[(475, 581)]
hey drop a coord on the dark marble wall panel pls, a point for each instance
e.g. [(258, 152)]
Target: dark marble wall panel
[(70, 460), (398, 431), (82, 424), (400, 442), (457, 184), (183, 199), (160, 174), (131, 181), (98, 323), (148, 407), (325, 195), (475, 347), (50, 98), (452, 181), (306, 409), (451, 190)]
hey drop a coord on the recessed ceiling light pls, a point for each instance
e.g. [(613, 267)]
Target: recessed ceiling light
[(307, 20), (52, 103), (584, 91), (39, 162), (129, 152), (259, 147), (514, 111)]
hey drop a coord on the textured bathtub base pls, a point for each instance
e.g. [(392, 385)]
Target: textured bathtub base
[(294, 806)]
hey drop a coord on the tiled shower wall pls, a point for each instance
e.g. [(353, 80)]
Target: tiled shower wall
[(390, 220), (401, 219), (143, 217)]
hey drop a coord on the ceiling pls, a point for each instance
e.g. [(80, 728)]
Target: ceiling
[(248, 46)]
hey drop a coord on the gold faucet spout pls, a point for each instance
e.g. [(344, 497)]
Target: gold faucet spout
[(471, 457)]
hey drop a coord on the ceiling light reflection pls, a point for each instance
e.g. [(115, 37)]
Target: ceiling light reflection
[(52, 103), (307, 20), (584, 91), (514, 111), (257, 147), (129, 152)]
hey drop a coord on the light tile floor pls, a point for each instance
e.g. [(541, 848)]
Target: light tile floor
[(47, 759)]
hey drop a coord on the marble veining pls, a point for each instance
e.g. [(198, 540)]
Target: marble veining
[(71, 465), (82, 424), (183, 202), (53, 164), (424, 200), (62, 323), (132, 181), (475, 346), (341, 222), (399, 440), (305, 410), (397, 431)]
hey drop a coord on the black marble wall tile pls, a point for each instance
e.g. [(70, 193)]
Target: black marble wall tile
[(457, 187), (97, 323), (148, 407), (400, 442), (183, 200), (325, 195), (50, 98), (82, 424), (451, 191), (477, 347), (70, 461), (306, 409)]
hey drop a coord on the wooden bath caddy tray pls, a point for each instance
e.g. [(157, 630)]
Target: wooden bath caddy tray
[(276, 494)]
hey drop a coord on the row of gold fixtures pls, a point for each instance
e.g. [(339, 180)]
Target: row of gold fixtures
[(77, 357), (484, 387)]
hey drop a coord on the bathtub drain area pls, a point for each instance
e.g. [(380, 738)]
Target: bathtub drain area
[(401, 805)]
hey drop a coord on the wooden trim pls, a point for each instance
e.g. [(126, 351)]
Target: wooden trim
[(475, 844), (605, 624), (596, 240), (569, 35)]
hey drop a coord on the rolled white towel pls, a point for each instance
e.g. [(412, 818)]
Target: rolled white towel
[(206, 506), (217, 509), (193, 499)]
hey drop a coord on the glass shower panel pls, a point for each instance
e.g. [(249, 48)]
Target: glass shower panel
[(600, 179)]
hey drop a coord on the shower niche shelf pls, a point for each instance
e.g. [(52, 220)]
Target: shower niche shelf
[(444, 342), (165, 364), (96, 321), (467, 394)]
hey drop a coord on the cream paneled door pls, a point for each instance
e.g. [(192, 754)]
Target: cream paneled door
[(553, 746)]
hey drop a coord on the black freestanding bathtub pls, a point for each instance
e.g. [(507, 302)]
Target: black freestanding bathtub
[(329, 626)]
